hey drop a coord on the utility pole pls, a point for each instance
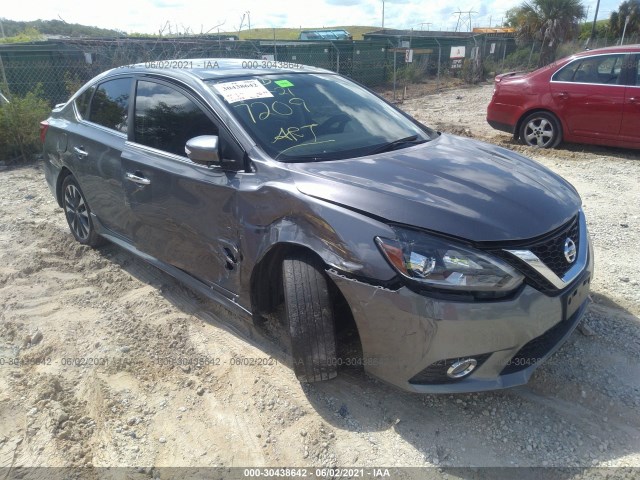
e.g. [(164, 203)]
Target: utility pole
[(382, 14), (593, 27), (626, 22)]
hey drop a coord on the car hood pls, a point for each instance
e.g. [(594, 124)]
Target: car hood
[(451, 185)]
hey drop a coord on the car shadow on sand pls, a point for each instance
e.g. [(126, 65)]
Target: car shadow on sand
[(580, 408)]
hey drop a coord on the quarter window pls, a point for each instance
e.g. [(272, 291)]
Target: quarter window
[(82, 102), (165, 118), (110, 104)]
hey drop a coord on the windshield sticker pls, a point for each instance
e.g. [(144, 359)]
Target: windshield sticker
[(242, 90), (284, 83)]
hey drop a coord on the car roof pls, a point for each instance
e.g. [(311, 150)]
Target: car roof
[(215, 68), (614, 49)]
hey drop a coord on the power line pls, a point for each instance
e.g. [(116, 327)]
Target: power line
[(462, 21)]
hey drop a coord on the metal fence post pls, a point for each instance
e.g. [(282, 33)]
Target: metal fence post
[(394, 74), (275, 47), (504, 52), (439, 61), (337, 57), (533, 44), (4, 77)]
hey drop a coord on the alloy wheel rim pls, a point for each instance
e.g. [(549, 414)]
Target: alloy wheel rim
[(539, 132), (76, 211)]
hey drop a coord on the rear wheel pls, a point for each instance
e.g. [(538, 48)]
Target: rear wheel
[(309, 314), (540, 129), (78, 213)]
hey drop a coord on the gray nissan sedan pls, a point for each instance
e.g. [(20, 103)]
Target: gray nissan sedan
[(274, 187)]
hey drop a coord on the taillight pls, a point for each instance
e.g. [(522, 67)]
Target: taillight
[(44, 125)]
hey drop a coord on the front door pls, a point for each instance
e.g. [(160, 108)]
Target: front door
[(183, 212)]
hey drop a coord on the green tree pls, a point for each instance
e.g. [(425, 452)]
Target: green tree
[(29, 34), (550, 22), (628, 8), (602, 29)]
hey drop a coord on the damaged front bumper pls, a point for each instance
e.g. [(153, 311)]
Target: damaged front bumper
[(414, 341)]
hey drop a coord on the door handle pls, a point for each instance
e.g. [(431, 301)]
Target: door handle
[(633, 100), (132, 177), (80, 152), (563, 95)]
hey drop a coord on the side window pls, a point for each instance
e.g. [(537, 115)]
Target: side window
[(82, 102), (603, 69), (110, 104), (165, 118)]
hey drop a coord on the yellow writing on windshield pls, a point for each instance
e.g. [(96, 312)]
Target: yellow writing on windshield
[(294, 133)]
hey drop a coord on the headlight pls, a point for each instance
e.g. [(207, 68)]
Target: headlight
[(443, 264)]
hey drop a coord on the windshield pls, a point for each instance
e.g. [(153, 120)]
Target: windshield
[(311, 117)]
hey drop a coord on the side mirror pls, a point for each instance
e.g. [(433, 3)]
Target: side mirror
[(203, 149)]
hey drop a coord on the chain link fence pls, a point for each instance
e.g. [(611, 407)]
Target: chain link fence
[(61, 67), (393, 63)]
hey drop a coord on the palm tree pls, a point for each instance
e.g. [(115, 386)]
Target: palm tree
[(630, 8), (550, 22)]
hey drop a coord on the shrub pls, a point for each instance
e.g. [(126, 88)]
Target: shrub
[(522, 59), (72, 82), (20, 124)]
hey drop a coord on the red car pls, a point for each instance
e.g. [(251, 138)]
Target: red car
[(590, 97)]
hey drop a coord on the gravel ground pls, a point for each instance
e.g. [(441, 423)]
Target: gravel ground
[(130, 404)]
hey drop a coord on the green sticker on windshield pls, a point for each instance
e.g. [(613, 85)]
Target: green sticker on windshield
[(284, 83)]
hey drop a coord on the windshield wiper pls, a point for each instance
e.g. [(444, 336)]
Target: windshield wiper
[(387, 147)]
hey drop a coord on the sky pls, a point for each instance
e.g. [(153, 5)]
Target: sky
[(149, 16)]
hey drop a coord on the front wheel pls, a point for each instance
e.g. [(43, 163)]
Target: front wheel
[(540, 129), (78, 213), (309, 314)]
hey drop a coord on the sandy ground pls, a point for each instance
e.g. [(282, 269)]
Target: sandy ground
[(93, 346)]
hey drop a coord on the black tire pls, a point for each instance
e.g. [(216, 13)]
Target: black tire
[(78, 214), (309, 315), (540, 129)]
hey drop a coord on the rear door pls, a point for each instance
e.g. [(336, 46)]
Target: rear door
[(589, 95), (183, 212), (630, 131), (95, 144)]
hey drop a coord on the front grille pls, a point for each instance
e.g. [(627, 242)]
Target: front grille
[(436, 373), (551, 251), (534, 351)]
